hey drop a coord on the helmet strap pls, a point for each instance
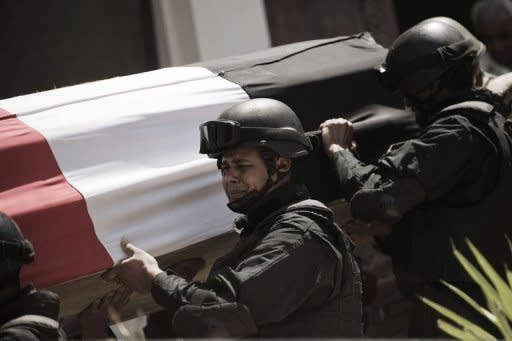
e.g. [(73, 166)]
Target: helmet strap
[(249, 202), (424, 108)]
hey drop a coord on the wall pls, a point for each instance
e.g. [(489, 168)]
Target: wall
[(296, 20), (189, 31), (49, 44)]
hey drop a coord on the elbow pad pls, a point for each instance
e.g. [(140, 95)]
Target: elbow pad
[(387, 204)]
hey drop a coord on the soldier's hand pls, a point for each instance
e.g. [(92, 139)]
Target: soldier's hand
[(135, 272), (337, 135)]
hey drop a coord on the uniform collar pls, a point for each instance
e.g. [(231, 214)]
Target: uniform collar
[(475, 94)]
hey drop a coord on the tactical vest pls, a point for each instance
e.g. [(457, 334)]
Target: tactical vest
[(341, 315), (427, 253)]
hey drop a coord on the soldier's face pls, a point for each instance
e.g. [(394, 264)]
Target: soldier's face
[(243, 171)]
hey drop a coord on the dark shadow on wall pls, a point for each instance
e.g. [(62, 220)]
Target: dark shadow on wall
[(55, 43), (410, 13), (297, 20)]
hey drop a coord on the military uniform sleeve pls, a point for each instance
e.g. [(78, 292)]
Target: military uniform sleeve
[(448, 154), (351, 172), (172, 292), (284, 270)]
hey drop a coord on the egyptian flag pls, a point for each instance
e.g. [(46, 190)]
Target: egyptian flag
[(85, 165)]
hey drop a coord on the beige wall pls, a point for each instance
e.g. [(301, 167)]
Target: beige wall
[(189, 31)]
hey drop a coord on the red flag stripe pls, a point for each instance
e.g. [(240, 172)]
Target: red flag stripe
[(50, 212)]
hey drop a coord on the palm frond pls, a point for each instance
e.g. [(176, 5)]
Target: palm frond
[(497, 292)]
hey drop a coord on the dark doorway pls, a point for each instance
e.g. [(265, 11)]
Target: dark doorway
[(54, 43)]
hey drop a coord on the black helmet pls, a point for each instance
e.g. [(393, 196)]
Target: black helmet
[(260, 122), (15, 250), (426, 51)]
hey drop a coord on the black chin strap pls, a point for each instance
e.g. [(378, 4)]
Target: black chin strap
[(250, 201), (424, 109)]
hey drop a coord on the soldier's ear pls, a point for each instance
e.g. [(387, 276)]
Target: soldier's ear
[(283, 165)]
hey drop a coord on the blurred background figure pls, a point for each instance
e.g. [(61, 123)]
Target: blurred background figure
[(492, 21)]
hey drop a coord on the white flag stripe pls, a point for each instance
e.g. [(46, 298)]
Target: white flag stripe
[(47, 100), (130, 146)]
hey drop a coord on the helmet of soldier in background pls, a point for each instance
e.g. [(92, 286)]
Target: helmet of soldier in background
[(425, 52), (260, 122), (15, 250)]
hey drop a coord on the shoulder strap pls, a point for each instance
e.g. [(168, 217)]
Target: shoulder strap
[(492, 126), (471, 105), (297, 206), (491, 121), (342, 246)]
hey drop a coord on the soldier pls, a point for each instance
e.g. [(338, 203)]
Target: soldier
[(451, 183), (31, 314), (291, 273), (25, 313)]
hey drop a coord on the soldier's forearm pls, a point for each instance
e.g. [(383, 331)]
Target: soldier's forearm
[(172, 291), (351, 172)]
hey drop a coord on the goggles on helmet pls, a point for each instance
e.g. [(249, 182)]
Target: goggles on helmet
[(219, 135)]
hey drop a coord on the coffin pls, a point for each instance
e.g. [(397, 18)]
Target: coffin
[(86, 165)]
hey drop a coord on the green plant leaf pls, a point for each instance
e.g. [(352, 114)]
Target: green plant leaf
[(490, 293), (509, 275), (498, 294), (503, 322), (504, 291), (486, 313), (503, 325), (464, 323), (455, 332)]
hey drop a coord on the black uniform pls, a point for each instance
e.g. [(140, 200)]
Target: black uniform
[(291, 269), (451, 183), (31, 315)]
